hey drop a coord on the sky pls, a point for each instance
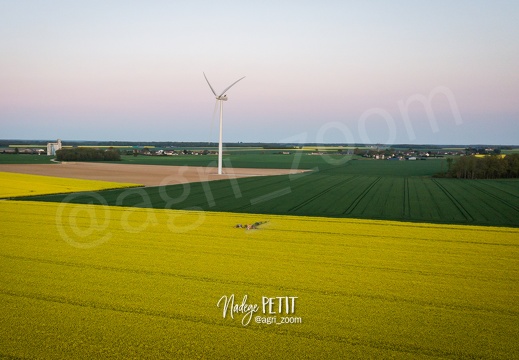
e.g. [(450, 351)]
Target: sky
[(414, 72)]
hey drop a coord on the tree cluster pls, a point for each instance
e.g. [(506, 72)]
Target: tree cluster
[(87, 154), (488, 167)]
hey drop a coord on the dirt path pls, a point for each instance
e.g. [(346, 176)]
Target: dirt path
[(149, 175)]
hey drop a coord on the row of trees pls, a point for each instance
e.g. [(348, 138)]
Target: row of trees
[(488, 167), (87, 154)]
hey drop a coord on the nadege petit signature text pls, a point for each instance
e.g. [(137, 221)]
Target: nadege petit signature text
[(270, 308)]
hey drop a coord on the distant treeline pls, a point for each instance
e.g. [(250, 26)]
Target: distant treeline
[(87, 154), (487, 167)]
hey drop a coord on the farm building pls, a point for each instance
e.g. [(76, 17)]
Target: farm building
[(53, 147)]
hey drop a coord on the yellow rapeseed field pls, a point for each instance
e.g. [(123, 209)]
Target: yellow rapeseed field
[(88, 281), (14, 184)]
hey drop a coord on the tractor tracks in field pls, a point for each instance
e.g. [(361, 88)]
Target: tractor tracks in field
[(478, 186), (493, 185), (175, 314), (406, 211), (454, 201), (324, 292), (319, 194), (359, 198)]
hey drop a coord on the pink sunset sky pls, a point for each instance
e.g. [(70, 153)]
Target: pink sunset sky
[(332, 71)]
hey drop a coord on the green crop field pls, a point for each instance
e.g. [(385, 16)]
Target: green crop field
[(84, 281), (391, 190), (25, 159), (240, 158)]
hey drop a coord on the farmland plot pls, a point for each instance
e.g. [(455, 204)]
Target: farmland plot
[(86, 281), (14, 184)]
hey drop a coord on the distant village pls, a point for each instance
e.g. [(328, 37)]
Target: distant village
[(388, 153), (410, 154)]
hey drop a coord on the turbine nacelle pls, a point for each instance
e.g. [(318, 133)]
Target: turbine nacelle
[(222, 96)]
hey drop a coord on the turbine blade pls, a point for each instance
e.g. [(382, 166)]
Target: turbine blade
[(223, 92), (208, 83)]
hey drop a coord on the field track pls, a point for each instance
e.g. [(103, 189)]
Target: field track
[(149, 175)]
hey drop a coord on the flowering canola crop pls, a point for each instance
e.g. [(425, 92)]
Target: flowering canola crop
[(91, 281), (14, 184)]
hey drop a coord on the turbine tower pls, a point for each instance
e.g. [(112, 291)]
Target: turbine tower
[(221, 98)]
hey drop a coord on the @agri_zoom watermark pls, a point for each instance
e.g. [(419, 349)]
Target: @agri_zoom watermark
[(277, 310)]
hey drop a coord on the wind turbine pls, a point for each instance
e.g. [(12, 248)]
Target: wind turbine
[(221, 98)]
